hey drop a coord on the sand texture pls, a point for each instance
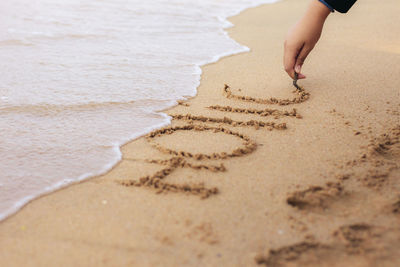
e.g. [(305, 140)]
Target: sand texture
[(251, 172)]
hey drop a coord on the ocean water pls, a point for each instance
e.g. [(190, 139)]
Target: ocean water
[(79, 78)]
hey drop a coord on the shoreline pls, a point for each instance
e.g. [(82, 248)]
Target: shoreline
[(240, 178), (170, 103)]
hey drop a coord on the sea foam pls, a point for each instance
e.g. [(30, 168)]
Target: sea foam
[(79, 78)]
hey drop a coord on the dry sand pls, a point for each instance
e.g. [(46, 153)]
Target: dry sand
[(253, 176)]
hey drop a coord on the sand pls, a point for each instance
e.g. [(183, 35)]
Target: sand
[(254, 173)]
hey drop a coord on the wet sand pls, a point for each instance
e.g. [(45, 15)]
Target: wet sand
[(251, 172)]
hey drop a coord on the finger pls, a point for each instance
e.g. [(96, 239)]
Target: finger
[(301, 58), (301, 76), (289, 59)]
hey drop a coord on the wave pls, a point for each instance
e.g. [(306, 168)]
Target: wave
[(81, 78)]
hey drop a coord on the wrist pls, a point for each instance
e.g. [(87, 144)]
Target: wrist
[(318, 10), (327, 5)]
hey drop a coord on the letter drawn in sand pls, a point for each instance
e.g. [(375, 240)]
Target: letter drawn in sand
[(157, 182), (180, 159)]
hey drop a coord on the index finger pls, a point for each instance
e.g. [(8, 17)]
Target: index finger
[(289, 60)]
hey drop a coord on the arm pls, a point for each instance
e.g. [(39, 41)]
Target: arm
[(303, 36)]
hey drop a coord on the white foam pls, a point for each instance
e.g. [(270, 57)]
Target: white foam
[(80, 78)]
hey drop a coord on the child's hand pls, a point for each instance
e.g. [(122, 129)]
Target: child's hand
[(303, 36)]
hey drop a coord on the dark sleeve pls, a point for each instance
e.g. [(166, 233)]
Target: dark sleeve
[(341, 6)]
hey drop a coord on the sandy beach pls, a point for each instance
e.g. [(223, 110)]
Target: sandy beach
[(251, 172)]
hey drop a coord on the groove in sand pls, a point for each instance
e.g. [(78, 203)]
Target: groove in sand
[(178, 159), (301, 97)]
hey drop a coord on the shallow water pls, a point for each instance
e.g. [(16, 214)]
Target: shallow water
[(79, 78)]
